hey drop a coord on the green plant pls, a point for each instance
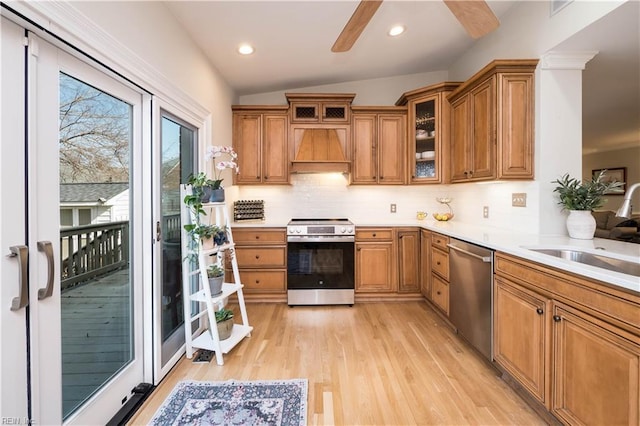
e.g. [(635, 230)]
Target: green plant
[(197, 230), (223, 315), (214, 271), (587, 195)]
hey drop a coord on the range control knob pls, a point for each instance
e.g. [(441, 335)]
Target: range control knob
[(343, 230), (298, 230), (350, 230)]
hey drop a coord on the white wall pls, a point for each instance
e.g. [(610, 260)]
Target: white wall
[(380, 91)]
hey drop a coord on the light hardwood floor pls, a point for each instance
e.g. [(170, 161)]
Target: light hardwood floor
[(370, 364)]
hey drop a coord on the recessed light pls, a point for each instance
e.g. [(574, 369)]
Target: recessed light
[(396, 30), (245, 49)]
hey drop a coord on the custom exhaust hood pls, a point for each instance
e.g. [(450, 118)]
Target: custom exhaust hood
[(320, 150)]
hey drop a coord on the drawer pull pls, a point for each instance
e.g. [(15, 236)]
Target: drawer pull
[(539, 311), (257, 237), (257, 281), (374, 234), (257, 256)]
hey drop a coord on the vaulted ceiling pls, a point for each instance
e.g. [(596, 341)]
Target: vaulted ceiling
[(293, 40)]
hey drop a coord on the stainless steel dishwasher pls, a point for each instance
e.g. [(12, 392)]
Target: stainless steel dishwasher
[(470, 293)]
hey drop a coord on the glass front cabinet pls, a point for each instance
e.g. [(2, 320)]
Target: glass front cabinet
[(428, 132)]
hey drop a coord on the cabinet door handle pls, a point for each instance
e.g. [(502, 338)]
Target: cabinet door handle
[(22, 252), (359, 248), (266, 177), (47, 248), (470, 173), (557, 318), (539, 311), (257, 177), (381, 177), (437, 263), (437, 292)]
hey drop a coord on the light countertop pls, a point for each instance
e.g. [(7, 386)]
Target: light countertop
[(517, 244)]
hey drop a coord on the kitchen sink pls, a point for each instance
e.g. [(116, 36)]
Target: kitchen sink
[(586, 258)]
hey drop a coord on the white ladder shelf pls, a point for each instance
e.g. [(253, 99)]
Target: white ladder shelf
[(195, 285)]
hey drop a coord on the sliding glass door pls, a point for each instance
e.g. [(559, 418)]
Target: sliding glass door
[(72, 206), (176, 157)]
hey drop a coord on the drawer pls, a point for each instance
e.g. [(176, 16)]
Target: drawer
[(440, 293), (261, 257), (440, 241), (264, 281), (440, 263), (259, 236), (374, 234)]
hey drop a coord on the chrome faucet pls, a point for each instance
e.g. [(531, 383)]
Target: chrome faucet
[(625, 208)]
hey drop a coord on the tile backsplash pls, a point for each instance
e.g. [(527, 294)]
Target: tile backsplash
[(330, 195)]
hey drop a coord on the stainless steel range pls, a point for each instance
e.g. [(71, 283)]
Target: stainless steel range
[(320, 262)]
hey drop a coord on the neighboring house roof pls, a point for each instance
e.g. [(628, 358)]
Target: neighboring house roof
[(90, 192)]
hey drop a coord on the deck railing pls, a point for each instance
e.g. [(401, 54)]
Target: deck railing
[(93, 250)]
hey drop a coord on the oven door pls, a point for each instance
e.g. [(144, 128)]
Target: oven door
[(320, 263)]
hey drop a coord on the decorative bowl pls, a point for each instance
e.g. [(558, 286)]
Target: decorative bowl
[(443, 217)]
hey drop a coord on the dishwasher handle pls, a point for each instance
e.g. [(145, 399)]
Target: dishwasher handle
[(485, 259)]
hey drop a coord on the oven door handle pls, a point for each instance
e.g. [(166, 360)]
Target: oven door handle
[(320, 239)]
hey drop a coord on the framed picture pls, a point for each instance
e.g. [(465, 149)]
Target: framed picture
[(618, 174)]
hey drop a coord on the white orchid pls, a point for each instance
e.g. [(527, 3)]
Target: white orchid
[(214, 152)]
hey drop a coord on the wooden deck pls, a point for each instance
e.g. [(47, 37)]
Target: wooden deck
[(95, 335)]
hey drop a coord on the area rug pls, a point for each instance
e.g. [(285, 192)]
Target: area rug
[(270, 402)]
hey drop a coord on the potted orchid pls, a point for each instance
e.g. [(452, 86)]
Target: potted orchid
[(216, 153)]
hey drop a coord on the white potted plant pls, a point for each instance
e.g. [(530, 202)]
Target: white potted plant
[(580, 198), (215, 274)]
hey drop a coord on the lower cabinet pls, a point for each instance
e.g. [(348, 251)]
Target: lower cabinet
[(521, 336), (262, 262), (408, 260), (425, 263), (375, 260), (440, 272), (597, 371), (572, 343)]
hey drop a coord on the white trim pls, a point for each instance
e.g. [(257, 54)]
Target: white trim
[(566, 60), (67, 22)]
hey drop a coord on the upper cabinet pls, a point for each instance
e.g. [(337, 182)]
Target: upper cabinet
[(428, 132), (492, 123), (260, 137), (379, 145), (320, 107)]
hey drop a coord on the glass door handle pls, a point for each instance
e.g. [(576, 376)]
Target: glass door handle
[(47, 248), (158, 231), (22, 253)]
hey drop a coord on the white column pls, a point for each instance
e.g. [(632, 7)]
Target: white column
[(558, 130)]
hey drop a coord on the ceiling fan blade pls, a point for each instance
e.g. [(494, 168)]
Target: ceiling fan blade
[(358, 21), (475, 16)]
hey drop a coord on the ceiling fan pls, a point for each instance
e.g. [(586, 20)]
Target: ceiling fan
[(476, 17)]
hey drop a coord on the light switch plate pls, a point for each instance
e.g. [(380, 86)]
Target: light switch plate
[(519, 199)]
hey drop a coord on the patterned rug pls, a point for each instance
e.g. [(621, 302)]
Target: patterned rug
[(271, 402)]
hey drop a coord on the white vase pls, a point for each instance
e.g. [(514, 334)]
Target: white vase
[(581, 224)]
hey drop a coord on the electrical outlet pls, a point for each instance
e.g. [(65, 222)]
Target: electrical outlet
[(485, 212), (519, 199), (393, 208)]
